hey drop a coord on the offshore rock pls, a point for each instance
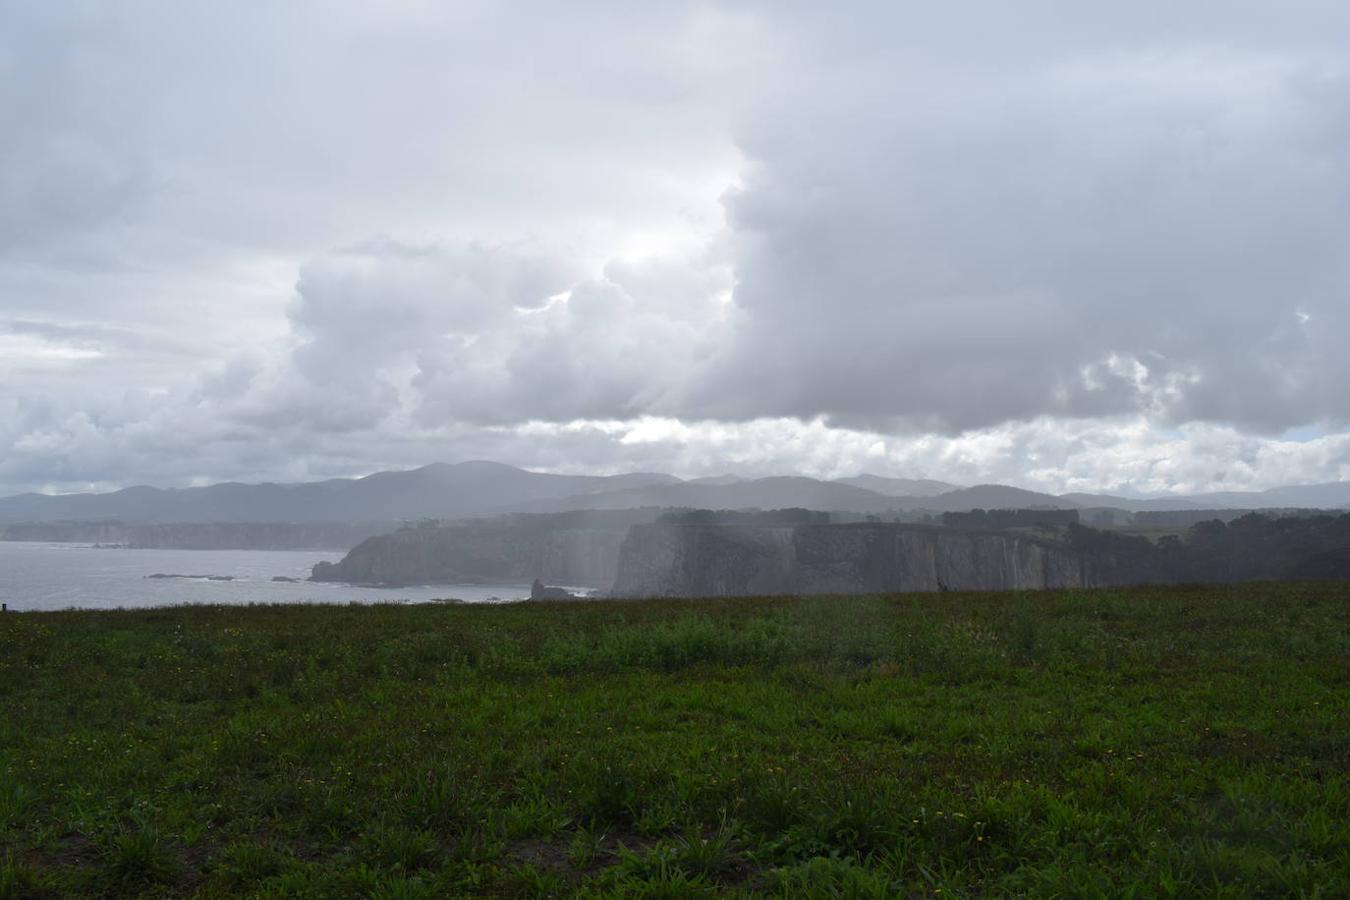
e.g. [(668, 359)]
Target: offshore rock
[(541, 591)]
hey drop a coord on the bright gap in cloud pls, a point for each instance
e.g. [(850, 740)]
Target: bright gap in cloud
[(1126, 455), (27, 350)]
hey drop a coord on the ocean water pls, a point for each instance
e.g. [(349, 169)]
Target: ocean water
[(60, 576)]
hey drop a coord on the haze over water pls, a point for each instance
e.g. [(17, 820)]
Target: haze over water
[(37, 576)]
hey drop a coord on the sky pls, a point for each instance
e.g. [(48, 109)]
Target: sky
[(1091, 246)]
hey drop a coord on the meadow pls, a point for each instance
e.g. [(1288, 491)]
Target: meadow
[(1183, 741)]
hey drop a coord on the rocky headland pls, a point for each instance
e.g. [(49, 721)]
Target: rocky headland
[(575, 549)]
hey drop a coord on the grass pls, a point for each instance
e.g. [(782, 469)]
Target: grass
[(1150, 742)]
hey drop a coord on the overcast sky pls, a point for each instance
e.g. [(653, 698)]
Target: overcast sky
[(1065, 246)]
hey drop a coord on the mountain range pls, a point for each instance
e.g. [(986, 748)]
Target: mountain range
[(449, 491)]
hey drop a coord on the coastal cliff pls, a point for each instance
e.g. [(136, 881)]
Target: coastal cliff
[(704, 553), (571, 549), (681, 560)]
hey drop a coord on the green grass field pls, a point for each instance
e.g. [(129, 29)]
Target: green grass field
[(1151, 742)]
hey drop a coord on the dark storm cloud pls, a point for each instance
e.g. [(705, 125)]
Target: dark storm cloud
[(1158, 232)]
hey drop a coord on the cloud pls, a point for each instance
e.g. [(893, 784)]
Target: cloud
[(976, 241), (489, 335), (1144, 232)]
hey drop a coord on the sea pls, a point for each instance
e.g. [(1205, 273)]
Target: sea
[(38, 576)]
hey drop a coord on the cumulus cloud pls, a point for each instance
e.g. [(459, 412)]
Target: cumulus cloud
[(488, 335)]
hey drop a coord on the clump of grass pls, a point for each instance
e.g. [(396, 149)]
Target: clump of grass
[(18, 879), (138, 857), (244, 864), (661, 872), (533, 815), (704, 855), (1024, 633), (528, 880), (775, 804), (858, 823), (16, 800), (585, 847), (607, 792), (439, 795), (402, 887), (824, 876), (399, 848)]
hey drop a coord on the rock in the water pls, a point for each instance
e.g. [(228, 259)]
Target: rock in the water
[(540, 591)]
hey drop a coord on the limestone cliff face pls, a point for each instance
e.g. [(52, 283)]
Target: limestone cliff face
[(466, 554), (679, 560)]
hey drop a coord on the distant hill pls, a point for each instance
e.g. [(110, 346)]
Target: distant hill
[(757, 493), (1133, 504), (455, 491), (990, 496), (899, 487), (439, 491), (718, 479), (1300, 496)]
